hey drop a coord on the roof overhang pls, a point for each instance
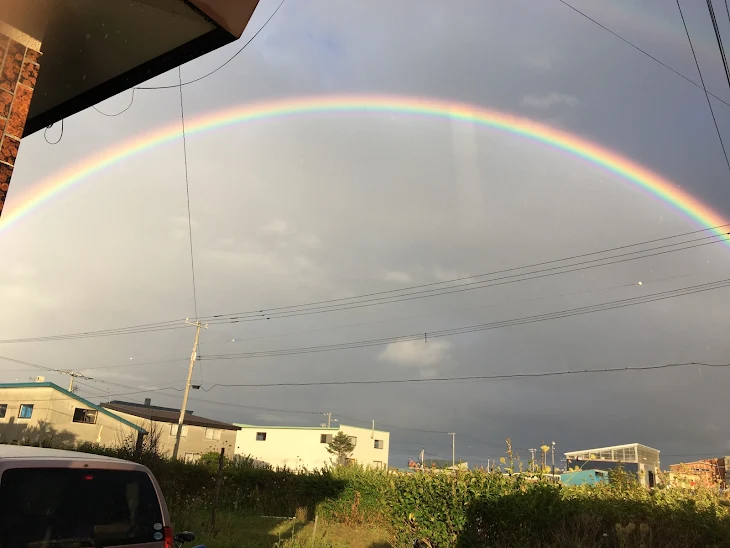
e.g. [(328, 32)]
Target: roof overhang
[(95, 49)]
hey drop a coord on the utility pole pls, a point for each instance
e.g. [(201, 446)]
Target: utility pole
[(453, 448), (553, 459), (73, 375), (532, 460), (423, 457), (193, 355)]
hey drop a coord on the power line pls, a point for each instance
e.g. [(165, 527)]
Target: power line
[(388, 425), (398, 295), (95, 368), (220, 318), (227, 61), (112, 115), (490, 305), (600, 307), (711, 9), (187, 193), (501, 376), (707, 95), (160, 392), (637, 48), (149, 88), (45, 135), (93, 334)]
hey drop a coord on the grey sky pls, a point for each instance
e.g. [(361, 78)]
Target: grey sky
[(304, 208)]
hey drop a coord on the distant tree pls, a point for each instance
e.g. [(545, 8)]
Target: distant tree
[(622, 479), (341, 447)]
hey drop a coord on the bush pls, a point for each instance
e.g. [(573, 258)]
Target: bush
[(451, 509)]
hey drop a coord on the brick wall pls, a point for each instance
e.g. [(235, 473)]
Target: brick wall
[(18, 73)]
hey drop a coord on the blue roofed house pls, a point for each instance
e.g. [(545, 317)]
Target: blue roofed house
[(43, 412)]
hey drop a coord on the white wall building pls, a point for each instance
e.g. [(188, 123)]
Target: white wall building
[(306, 447), (636, 458)]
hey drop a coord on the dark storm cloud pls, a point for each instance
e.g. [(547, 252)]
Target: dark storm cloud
[(300, 209)]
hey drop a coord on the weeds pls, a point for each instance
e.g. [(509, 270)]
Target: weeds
[(446, 509)]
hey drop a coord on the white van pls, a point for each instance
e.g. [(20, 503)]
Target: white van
[(66, 499)]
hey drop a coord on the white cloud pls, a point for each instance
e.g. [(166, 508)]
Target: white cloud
[(447, 274), (311, 240), (398, 276), (241, 259), (552, 99), (276, 226), (180, 227), (421, 354), (541, 61)]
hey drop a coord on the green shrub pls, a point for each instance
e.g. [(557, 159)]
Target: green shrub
[(450, 509)]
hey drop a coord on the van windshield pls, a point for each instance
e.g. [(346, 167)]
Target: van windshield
[(61, 507)]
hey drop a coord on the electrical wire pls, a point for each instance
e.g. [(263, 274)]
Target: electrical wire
[(448, 312), (187, 193), (160, 390), (271, 312), (94, 334), (644, 52), (221, 318), (45, 134), (225, 63), (380, 424), (707, 95), (504, 280), (715, 27), (112, 115), (600, 307), (33, 365), (501, 376), (150, 88)]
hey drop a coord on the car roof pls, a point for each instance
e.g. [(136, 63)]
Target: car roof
[(41, 453)]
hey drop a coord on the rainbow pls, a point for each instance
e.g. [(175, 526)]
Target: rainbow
[(650, 182)]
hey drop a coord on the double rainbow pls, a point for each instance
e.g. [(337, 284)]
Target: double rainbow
[(650, 182)]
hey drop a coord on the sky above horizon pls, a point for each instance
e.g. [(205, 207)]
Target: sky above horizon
[(327, 205)]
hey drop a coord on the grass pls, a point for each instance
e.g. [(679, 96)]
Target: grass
[(234, 530), (338, 535)]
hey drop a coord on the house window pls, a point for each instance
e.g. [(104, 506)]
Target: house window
[(325, 438), (87, 416), (192, 457), (350, 461), (3, 410), (260, 436), (353, 439), (379, 444), (26, 411), (378, 464), (183, 434), (213, 434)]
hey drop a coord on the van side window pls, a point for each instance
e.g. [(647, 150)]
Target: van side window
[(3, 410), (63, 505)]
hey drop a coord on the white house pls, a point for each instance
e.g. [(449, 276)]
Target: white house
[(634, 457), (300, 448)]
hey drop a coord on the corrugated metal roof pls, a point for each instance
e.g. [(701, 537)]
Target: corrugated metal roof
[(159, 414)]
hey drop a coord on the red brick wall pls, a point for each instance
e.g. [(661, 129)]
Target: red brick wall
[(18, 73)]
